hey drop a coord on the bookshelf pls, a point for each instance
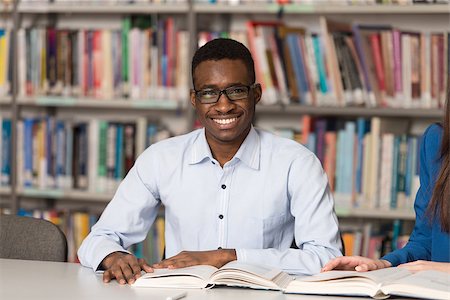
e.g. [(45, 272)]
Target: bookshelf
[(312, 9), (91, 103), (195, 17), (294, 110), (97, 8)]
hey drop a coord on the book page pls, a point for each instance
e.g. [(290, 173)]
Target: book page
[(346, 283), (377, 276), (189, 277), (259, 270), (424, 284), (252, 276)]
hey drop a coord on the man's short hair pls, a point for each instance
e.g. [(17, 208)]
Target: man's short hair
[(222, 48)]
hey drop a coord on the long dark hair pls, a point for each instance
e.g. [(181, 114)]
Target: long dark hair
[(439, 206)]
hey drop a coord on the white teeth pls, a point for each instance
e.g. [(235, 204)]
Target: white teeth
[(225, 121)]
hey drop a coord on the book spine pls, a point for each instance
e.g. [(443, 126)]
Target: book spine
[(6, 147)]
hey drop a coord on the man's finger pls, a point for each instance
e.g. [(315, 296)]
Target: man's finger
[(127, 273), (135, 269), (117, 272), (163, 264), (145, 266), (107, 276)]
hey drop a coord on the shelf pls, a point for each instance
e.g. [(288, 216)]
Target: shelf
[(350, 111), (96, 103), (6, 8), (5, 190), (375, 214), (6, 100), (322, 9), (66, 195), (97, 8)]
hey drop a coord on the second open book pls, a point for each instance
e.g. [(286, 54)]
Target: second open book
[(377, 284)]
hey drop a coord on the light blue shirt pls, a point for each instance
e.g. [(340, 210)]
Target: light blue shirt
[(273, 190)]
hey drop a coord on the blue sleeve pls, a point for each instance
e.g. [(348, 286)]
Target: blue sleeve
[(419, 244)]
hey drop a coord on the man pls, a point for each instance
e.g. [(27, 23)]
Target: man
[(230, 191)]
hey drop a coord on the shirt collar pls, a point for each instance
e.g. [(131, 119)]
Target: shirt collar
[(249, 152)]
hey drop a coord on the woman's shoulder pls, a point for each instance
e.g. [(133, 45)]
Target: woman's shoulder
[(432, 138), (434, 131)]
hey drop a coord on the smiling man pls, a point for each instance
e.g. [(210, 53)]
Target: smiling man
[(230, 191)]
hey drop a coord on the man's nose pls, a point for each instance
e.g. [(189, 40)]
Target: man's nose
[(224, 104)]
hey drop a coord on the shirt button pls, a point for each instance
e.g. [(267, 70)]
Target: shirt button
[(224, 186), (213, 162), (221, 217)]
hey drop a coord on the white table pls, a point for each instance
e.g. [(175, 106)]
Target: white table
[(25, 279)]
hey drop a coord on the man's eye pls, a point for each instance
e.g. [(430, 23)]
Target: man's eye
[(208, 93), (237, 90)]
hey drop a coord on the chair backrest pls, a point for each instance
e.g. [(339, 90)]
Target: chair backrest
[(31, 239)]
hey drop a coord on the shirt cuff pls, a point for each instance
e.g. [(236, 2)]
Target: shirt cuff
[(241, 255), (392, 258), (103, 250)]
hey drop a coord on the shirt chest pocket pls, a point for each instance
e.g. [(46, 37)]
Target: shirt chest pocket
[(270, 232)]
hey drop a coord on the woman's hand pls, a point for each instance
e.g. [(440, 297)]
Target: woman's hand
[(358, 263), (422, 265)]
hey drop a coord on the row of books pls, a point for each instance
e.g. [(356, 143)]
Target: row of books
[(76, 225), (324, 2), (130, 2), (143, 60), (343, 65), (91, 155), (236, 2), (374, 243), (153, 247), (347, 64), (367, 165)]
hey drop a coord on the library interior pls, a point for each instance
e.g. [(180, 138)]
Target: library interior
[(89, 87)]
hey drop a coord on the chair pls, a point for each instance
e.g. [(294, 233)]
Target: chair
[(31, 239)]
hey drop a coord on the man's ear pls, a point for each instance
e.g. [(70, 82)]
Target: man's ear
[(192, 97), (257, 92)]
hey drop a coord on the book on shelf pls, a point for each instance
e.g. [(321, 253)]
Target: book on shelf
[(75, 225), (91, 155), (142, 60), (6, 151), (202, 276), (378, 284), (370, 162), (5, 61), (346, 64), (309, 3)]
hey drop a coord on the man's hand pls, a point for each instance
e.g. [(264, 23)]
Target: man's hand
[(358, 263), (216, 258), (124, 267), (421, 265)]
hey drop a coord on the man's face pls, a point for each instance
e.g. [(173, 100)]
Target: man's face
[(226, 121)]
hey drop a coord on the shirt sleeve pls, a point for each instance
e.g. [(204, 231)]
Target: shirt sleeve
[(127, 218), (316, 227), (419, 244)]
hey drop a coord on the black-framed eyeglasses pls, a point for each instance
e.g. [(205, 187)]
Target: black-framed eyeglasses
[(211, 95)]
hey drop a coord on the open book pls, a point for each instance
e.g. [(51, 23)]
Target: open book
[(378, 284), (231, 274)]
